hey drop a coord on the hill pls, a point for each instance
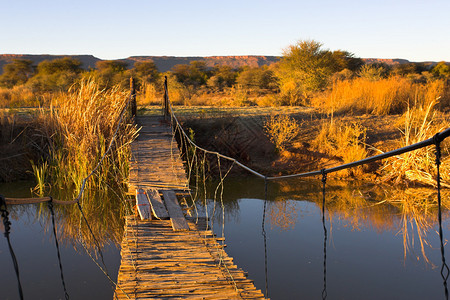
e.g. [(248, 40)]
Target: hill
[(88, 61), (165, 63)]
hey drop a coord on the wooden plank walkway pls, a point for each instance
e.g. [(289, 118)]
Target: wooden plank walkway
[(155, 158), (159, 263), (176, 258)]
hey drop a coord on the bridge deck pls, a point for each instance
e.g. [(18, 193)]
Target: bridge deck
[(155, 158), (159, 263), (159, 260)]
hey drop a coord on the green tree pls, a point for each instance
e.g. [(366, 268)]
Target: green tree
[(345, 60), (259, 78), (112, 72), (441, 70), (146, 71), (222, 76), (17, 72), (57, 74), (304, 68), (195, 74), (407, 69)]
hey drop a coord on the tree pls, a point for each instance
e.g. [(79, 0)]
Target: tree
[(146, 71), (112, 72), (441, 70), (222, 76), (195, 74), (304, 68), (345, 60), (259, 78), (408, 68), (17, 72), (57, 74)]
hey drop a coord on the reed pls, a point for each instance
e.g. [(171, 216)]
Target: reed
[(79, 127), (420, 123)]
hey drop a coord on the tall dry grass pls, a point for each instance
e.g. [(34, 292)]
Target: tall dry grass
[(344, 140), (420, 123), (380, 97), (21, 96), (79, 127)]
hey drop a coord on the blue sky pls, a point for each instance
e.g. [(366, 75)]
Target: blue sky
[(414, 30)]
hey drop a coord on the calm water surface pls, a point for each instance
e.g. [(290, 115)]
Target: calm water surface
[(377, 246), (33, 243)]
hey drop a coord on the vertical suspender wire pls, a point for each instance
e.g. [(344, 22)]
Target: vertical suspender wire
[(324, 181), (7, 224), (266, 198), (50, 207), (444, 269)]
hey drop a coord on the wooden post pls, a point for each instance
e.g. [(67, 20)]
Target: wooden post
[(133, 104), (166, 99)]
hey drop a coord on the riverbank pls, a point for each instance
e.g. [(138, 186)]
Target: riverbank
[(21, 143), (321, 141)]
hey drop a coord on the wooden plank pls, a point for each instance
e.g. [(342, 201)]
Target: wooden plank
[(176, 214), (158, 208), (142, 204)]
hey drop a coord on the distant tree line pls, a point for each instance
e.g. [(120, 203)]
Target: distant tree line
[(304, 69)]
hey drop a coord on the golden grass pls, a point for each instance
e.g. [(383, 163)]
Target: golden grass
[(380, 97), (20, 96), (344, 140), (79, 127), (420, 123)]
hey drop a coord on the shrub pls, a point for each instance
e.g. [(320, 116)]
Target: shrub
[(281, 130), (346, 141)]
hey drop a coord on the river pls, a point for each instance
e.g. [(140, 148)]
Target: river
[(380, 243)]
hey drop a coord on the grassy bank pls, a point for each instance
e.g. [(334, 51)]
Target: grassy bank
[(321, 141)]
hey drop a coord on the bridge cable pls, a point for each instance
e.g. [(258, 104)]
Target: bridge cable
[(444, 269), (263, 225), (7, 225), (324, 181), (50, 207)]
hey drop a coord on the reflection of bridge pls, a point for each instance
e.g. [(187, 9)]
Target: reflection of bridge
[(171, 259)]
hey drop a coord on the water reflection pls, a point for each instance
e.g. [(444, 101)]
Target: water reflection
[(408, 216)]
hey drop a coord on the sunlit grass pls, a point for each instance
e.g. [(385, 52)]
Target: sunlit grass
[(420, 123), (380, 97), (79, 127)]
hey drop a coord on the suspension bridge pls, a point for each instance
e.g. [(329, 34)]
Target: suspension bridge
[(166, 252), (165, 255)]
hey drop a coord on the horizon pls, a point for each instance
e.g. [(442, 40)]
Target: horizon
[(206, 56)]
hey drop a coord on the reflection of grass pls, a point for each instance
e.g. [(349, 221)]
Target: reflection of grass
[(410, 212)]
